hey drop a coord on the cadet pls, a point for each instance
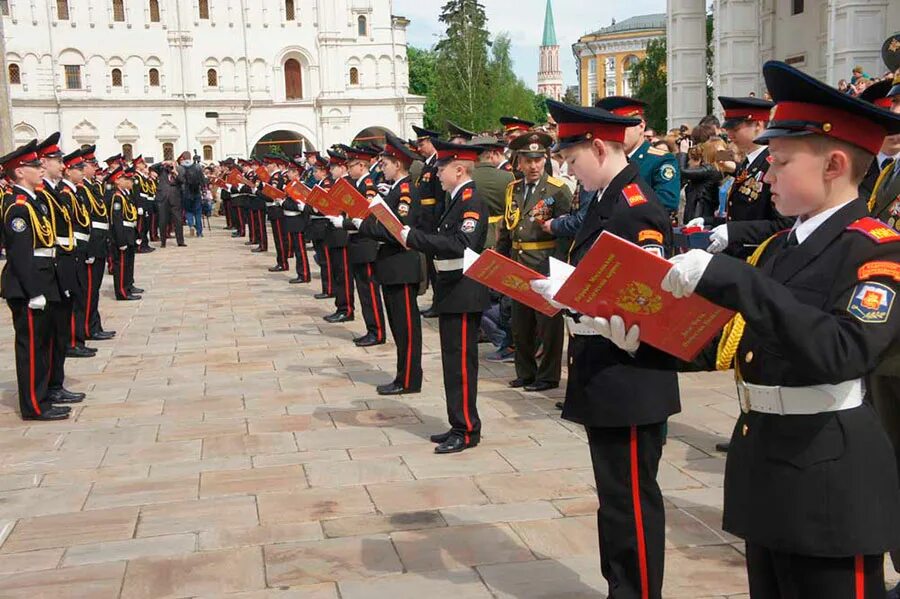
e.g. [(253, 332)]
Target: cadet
[(431, 196), (98, 246), (296, 219), (275, 164), (657, 167), (336, 241), (398, 269), (143, 196), (811, 478), (318, 228), (530, 202), (620, 394), (123, 233), (458, 300), (458, 135), (30, 286)]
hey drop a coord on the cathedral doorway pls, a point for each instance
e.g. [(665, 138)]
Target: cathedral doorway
[(289, 143)]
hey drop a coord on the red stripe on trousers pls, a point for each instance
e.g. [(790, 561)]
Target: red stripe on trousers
[(122, 273), (375, 305), (347, 284), (638, 515), (284, 262), (31, 374), (465, 378), (328, 268), (301, 255), (72, 328), (860, 577), (409, 340), (87, 311)]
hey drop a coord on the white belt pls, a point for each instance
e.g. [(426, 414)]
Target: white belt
[(815, 399), (292, 213), (318, 217), (64, 242), (45, 252), (102, 226), (82, 237), (448, 265), (271, 204), (576, 328), (130, 224)]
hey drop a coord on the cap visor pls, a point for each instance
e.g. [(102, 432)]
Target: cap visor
[(774, 133)]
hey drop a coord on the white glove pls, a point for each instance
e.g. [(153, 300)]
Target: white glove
[(544, 288), (718, 239), (90, 260), (336, 221), (37, 303), (123, 248), (357, 222), (686, 272), (140, 212), (614, 330), (404, 233), (696, 222), (384, 188)]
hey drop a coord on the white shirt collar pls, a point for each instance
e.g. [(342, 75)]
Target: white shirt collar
[(752, 156), (499, 166), (399, 181), (431, 159), (30, 193), (360, 180), (458, 187), (806, 228), (70, 184), (882, 157)]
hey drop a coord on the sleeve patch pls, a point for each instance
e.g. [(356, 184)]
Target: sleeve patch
[(875, 230), (650, 235), (469, 225), (882, 268), (403, 209), (474, 215), (467, 194), (633, 195), (667, 172), (18, 224), (871, 303)]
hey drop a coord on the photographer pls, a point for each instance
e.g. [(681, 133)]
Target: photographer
[(168, 202), (703, 168), (192, 180)]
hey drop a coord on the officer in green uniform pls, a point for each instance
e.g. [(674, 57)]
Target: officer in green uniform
[(492, 183), (531, 201), (657, 167)]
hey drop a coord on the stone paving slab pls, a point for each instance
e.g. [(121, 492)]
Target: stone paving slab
[(232, 445)]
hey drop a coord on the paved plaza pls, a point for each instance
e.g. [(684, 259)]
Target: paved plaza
[(232, 445)]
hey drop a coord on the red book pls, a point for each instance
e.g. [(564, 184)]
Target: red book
[(297, 191), (271, 192), (353, 203), (618, 278), (506, 276), (319, 199), (386, 217)]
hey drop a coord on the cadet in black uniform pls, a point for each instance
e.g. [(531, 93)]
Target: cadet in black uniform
[(431, 196), (398, 269), (458, 300), (143, 194), (811, 478), (98, 245), (336, 241), (274, 165), (296, 219), (622, 394), (29, 285), (123, 232), (318, 228)]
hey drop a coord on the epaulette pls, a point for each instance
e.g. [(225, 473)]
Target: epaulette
[(21, 200), (369, 181), (404, 188), (467, 194), (556, 182), (875, 230), (633, 195), (656, 151)]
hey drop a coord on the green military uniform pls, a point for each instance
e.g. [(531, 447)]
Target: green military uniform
[(660, 170), (522, 238), (492, 183)]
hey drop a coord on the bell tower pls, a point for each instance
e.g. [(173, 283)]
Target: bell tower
[(550, 80)]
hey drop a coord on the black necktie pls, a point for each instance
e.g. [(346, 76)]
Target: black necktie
[(885, 163), (792, 240)]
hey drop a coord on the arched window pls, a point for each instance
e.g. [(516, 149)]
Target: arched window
[(354, 76), (15, 75), (362, 26), (154, 11), (289, 12), (293, 79), (168, 151), (127, 151), (62, 10), (153, 76), (116, 76), (119, 11), (212, 78), (204, 9), (207, 153)]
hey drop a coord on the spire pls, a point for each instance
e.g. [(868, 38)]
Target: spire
[(549, 27)]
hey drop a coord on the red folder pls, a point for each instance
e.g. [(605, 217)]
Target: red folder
[(386, 217), (617, 277), (510, 278), (297, 191), (319, 199), (353, 203), (271, 192)]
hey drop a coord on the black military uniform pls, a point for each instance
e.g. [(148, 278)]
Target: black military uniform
[(123, 236), (336, 242), (97, 250), (275, 214), (431, 198), (30, 287), (74, 200), (296, 219), (316, 231), (257, 205), (143, 196), (522, 238), (457, 134), (399, 272), (623, 400), (811, 482), (458, 300)]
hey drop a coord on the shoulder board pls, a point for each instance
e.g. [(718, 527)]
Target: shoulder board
[(467, 194), (404, 188), (656, 151), (21, 199), (875, 230), (633, 195), (556, 182), (515, 182), (368, 181)]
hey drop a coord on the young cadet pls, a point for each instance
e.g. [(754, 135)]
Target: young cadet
[(458, 300), (318, 229), (811, 478), (621, 393), (431, 196), (296, 219), (275, 164), (336, 241), (143, 195), (98, 246), (123, 232), (398, 269), (29, 285)]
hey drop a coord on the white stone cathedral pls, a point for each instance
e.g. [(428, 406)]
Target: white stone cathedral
[(220, 77)]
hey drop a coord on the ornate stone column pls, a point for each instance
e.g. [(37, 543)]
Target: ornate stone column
[(686, 43)]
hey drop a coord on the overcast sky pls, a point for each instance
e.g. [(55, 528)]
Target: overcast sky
[(524, 21)]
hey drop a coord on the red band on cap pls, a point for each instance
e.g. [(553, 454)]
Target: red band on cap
[(517, 127), (833, 122), (54, 149), (470, 155), (629, 111), (75, 161), (593, 130), (749, 114), (397, 154), (19, 161), (883, 102)]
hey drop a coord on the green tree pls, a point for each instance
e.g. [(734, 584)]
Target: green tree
[(572, 96), (422, 76), (648, 79), (509, 94)]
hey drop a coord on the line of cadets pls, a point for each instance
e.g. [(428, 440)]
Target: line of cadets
[(66, 223)]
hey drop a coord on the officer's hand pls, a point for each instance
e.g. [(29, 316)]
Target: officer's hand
[(695, 222), (547, 226), (718, 239), (357, 222), (544, 288), (686, 272), (614, 330), (37, 303), (336, 221)]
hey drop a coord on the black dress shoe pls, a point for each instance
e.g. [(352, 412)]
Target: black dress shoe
[(723, 447), (559, 405), (430, 313), (369, 341), (235, 234), (249, 243), (517, 383), (129, 298), (441, 438), (64, 400), (277, 269), (57, 395), (135, 291), (102, 336), (52, 413), (456, 444), (395, 389), (541, 386), (323, 296), (339, 317), (258, 251), (79, 352), (298, 280)]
